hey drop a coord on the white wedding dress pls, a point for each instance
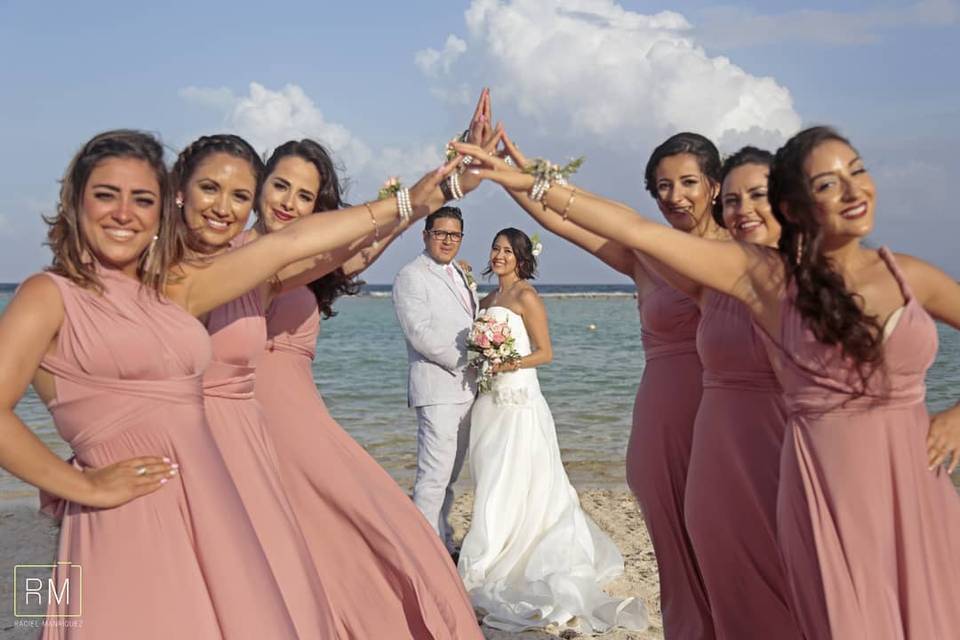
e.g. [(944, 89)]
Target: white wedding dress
[(532, 557)]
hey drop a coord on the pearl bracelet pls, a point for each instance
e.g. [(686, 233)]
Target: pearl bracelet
[(404, 207)]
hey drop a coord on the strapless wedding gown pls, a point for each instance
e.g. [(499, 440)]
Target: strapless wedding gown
[(532, 557)]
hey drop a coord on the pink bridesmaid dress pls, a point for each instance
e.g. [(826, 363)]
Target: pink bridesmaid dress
[(732, 483), (184, 561), (238, 332), (387, 573), (658, 454), (870, 537)]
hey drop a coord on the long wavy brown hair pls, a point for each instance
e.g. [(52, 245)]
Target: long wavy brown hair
[(829, 310), (71, 255), (329, 198)]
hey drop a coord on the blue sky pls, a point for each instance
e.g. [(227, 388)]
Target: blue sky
[(386, 84)]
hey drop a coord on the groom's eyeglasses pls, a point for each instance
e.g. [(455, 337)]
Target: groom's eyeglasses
[(453, 236)]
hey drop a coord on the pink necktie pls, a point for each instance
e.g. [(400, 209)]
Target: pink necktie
[(457, 284)]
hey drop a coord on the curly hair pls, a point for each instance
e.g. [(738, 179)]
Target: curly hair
[(829, 310), (523, 251), (64, 236), (327, 288), (706, 153), (746, 155)]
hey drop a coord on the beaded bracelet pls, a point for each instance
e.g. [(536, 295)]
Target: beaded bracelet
[(376, 227), (566, 209)]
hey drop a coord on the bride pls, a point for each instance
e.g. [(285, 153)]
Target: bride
[(532, 557)]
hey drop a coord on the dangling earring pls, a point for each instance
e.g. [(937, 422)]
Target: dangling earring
[(179, 203)]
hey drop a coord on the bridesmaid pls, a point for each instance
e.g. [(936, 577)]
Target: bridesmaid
[(730, 503), (367, 538), (682, 175), (217, 178), (868, 522), (119, 367)]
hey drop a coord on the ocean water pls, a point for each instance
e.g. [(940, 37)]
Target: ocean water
[(590, 386)]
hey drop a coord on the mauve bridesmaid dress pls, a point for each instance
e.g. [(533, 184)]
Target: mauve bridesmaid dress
[(870, 537), (181, 562), (238, 332), (732, 482), (658, 454), (387, 573)]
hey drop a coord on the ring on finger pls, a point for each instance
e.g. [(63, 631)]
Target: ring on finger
[(141, 471), (509, 161)]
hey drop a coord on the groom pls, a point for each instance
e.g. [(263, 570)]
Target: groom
[(436, 308)]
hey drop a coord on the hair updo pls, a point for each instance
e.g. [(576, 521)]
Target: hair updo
[(706, 153), (522, 250), (746, 155)]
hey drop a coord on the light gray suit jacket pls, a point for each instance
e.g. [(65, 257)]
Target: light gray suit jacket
[(435, 320)]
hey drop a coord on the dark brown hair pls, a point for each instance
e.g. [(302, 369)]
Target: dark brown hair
[(746, 155), (453, 213), (328, 288), (522, 250), (198, 151), (829, 310), (64, 236), (708, 158)]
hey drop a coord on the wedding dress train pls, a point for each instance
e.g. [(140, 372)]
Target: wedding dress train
[(532, 557)]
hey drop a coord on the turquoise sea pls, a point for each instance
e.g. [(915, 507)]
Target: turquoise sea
[(590, 386)]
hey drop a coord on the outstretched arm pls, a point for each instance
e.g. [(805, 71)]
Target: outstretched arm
[(232, 274), (610, 252), (306, 271), (939, 294), (729, 267)]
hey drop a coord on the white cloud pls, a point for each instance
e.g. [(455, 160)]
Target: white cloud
[(433, 62), (211, 97), (268, 118), (732, 27), (594, 69)]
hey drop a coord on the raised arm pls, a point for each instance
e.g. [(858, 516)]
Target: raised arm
[(413, 311), (232, 274), (28, 328), (939, 294), (610, 252), (742, 271), (305, 271)]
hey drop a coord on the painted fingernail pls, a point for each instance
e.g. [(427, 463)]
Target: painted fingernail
[(163, 481), (167, 460), (175, 465), (173, 472), (475, 172)]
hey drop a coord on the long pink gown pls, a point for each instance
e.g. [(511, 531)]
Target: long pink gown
[(238, 332), (184, 561), (870, 537), (658, 454), (732, 482), (387, 573)]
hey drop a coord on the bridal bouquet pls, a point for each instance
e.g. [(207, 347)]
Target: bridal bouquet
[(493, 343)]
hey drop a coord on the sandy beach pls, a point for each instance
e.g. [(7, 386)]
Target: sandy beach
[(26, 537)]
